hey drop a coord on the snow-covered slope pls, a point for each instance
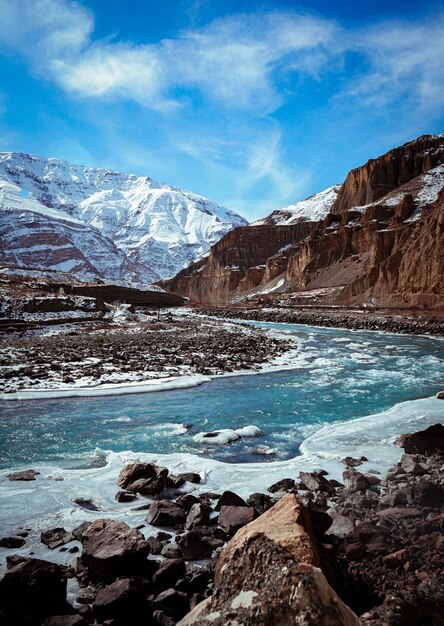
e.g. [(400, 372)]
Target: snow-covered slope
[(311, 209), (97, 222)]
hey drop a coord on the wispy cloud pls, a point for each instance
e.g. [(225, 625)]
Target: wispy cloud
[(404, 62), (233, 60)]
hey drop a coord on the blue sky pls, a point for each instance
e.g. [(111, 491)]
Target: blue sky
[(252, 104)]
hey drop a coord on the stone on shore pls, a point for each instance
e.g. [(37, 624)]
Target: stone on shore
[(122, 602), (428, 440), (288, 524), (144, 478), (111, 548), (55, 537), (232, 518), (261, 584), (165, 513), (32, 590)]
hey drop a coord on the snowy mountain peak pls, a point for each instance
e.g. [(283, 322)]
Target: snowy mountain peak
[(113, 225), (312, 209)]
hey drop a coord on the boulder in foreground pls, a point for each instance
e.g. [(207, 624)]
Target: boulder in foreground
[(428, 440), (111, 548), (263, 584)]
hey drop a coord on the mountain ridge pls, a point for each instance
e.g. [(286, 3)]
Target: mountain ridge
[(96, 222)]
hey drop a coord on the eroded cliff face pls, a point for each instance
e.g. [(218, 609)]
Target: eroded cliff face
[(237, 263), (382, 244), (380, 176)]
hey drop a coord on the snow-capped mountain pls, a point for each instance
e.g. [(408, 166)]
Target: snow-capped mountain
[(101, 223), (311, 209)]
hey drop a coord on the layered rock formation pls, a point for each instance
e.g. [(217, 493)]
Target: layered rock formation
[(381, 244)]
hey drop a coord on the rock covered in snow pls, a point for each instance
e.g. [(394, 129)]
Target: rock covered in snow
[(313, 209)]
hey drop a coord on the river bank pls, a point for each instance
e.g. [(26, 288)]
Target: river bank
[(389, 320)]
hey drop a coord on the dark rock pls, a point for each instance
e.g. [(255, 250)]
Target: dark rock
[(12, 542), (351, 462), (174, 482), (228, 498), (198, 515), (172, 602), (430, 439), (353, 480), (440, 395), (314, 481), (87, 503), (169, 572), (190, 477), (231, 518), (171, 551), (355, 551), (428, 494), (187, 500), (125, 496), (155, 545), (79, 530), (260, 502), (32, 590), (165, 513), (55, 537), (195, 545), (145, 478), (122, 601), (29, 474), (111, 548), (286, 484)]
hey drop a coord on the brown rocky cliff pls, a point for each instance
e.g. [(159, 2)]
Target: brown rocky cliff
[(378, 177), (236, 263)]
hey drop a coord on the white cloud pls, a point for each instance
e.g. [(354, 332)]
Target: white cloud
[(233, 60), (405, 61)]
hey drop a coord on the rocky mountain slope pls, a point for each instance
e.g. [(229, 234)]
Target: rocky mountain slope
[(379, 243), (100, 223)]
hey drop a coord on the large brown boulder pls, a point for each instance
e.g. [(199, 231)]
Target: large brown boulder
[(111, 548), (145, 478), (288, 524), (428, 440), (263, 584)]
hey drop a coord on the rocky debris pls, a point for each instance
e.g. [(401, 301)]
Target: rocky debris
[(32, 590), (111, 548), (263, 584), (29, 474), (232, 518), (12, 542), (56, 537), (125, 496), (428, 440), (440, 395), (197, 346), (165, 513), (144, 478)]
